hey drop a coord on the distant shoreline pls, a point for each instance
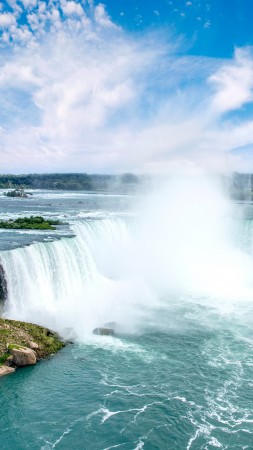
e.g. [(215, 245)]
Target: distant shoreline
[(72, 181)]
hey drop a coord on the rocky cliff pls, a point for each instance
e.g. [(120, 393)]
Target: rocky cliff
[(24, 343)]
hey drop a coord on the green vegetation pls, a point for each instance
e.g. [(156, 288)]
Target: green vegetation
[(16, 334), (4, 358), (12, 346), (68, 181), (46, 181), (30, 223)]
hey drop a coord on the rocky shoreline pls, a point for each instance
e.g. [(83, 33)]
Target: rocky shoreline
[(23, 344)]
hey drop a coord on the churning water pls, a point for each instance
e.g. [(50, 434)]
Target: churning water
[(175, 272)]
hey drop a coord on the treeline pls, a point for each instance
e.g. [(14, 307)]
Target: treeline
[(68, 181), (239, 186)]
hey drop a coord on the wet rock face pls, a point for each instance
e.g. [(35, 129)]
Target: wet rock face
[(3, 285)]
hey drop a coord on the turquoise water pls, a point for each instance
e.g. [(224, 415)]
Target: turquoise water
[(185, 384), (179, 373)]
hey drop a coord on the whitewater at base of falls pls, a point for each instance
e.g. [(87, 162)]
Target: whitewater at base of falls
[(185, 245)]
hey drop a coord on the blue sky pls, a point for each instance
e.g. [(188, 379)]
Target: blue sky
[(211, 28), (127, 85)]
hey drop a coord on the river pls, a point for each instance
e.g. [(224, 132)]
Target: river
[(174, 271)]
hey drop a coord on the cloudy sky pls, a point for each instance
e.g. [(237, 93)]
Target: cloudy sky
[(144, 86)]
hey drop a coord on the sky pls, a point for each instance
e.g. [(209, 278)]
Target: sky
[(142, 86)]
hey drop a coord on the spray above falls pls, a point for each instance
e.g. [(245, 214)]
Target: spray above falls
[(182, 242)]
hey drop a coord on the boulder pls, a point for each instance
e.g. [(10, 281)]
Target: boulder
[(22, 356), (5, 370), (103, 331), (33, 345), (23, 343)]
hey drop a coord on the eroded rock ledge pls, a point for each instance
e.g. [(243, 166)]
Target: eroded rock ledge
[(23, 344)]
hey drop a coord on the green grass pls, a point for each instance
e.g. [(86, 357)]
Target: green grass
[(16, 334), (4, 332), (12, 346)]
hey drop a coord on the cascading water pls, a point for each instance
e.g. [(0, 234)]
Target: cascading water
[(113, 268), (65, 283)]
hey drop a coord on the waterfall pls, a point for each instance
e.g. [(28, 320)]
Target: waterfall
[(186, 244), (69, 283)]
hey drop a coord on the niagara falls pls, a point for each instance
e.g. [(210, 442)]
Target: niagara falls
[(126, 225), (172, 269)]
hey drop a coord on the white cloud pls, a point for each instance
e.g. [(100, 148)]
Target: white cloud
[(54, 15), (102, 18), (29, 3), (77, 93), (72, 8), (234, 83), (14, 74), (16, 8), (41, 17), (6, 20), (22, 34)]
